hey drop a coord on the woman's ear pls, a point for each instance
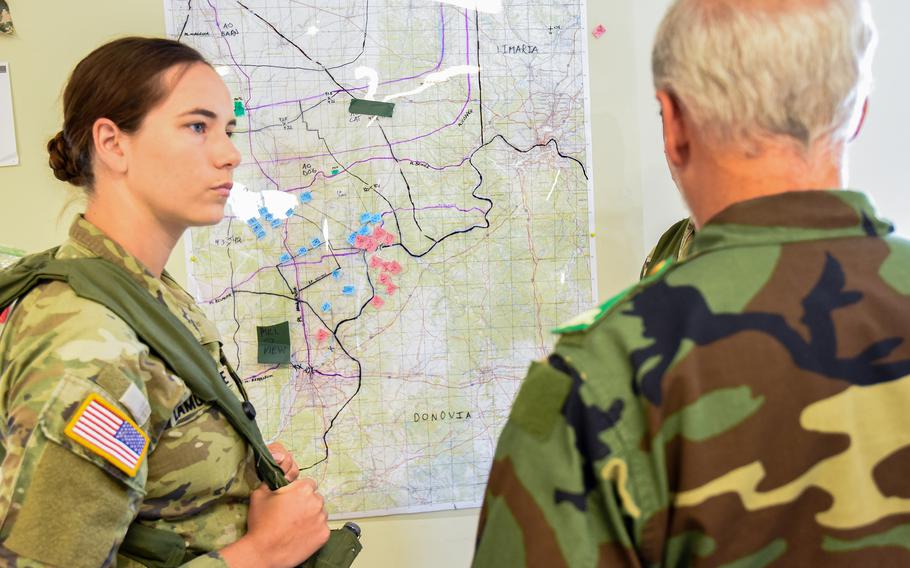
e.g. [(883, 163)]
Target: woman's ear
[(109, 142)]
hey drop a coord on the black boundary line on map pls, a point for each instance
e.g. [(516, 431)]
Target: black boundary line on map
[(233, 296), (363, 46), (407, 184), (299, 303), (325, 435), (189, 7), (301, 50)]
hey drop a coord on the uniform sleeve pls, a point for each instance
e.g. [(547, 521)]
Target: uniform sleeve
[(63, 503), (555, 493), (71, 479)]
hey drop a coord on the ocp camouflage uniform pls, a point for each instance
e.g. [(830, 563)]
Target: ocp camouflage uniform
[(747, 406), (64, 504)]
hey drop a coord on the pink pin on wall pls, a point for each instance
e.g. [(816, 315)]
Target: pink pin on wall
[(599, 31)]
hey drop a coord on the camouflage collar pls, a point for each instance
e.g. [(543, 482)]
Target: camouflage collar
[(95, 241), (792, 217)]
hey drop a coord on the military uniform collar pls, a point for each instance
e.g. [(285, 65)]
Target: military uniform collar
[(85, 234), (791, 217), (91, 240)]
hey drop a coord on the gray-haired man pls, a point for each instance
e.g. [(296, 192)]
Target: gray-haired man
[(745, 406)]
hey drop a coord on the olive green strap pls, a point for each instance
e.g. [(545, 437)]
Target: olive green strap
[(103, 282), (155, 548)]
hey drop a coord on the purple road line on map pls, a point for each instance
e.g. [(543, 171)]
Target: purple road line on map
[(427, 135), (335, 375), (382, 158), (249, 86), (259, 374), (254, 274), (442, 54)]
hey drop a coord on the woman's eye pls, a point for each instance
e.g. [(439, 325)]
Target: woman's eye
[(230, 133), (198, 127)]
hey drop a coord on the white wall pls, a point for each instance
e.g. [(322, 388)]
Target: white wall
[(877, 156), (635, 198)]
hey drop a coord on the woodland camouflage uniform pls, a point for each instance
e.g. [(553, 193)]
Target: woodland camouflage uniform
[(744, 407)]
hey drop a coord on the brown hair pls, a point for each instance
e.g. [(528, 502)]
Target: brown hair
[(120, 81)]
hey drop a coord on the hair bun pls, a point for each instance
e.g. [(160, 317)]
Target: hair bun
[(66, 166)]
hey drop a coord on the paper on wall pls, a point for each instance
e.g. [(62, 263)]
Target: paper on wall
[(9, 156), (6, 20)]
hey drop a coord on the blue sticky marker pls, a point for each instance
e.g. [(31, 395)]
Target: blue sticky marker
[(285, 258), (252, 221), (302, 251), (268, 217), (306, 197), (276, 223), (365, 230), (352, 239), (336, 274), (290, 213), (315, 242), (376, 218), (263, 211), (365, 218), (348, 290), (326, 307)]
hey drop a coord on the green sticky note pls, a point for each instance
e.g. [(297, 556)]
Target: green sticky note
[(238, 108), (371, 108), (274, 343)]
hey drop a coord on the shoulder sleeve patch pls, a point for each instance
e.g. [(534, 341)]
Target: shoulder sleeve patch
[(104, 430), (540, 400)]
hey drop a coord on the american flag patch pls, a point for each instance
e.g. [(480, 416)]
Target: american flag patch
[(106, 431)]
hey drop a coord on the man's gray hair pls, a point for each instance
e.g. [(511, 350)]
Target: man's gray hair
[(748, 69)]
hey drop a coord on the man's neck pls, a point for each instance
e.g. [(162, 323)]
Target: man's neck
[(732, 177), (134, 228)]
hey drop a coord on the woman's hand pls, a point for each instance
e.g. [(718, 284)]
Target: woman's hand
[(284, 527), (285, 461)]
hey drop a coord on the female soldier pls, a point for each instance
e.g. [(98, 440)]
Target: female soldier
[(99, 435)]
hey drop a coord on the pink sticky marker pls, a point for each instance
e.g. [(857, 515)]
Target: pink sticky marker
[(393, 267), (361, 242), (379, 232), (385, 279), (390, 289), (371, 244), (376, 262), (377, 302), (322, 335), (387, 239), (599, 31)]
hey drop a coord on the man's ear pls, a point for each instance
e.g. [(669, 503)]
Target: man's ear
[(676, 134), (109, 143), (862, 120)]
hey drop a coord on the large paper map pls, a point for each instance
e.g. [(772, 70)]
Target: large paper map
[(421, 258)]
